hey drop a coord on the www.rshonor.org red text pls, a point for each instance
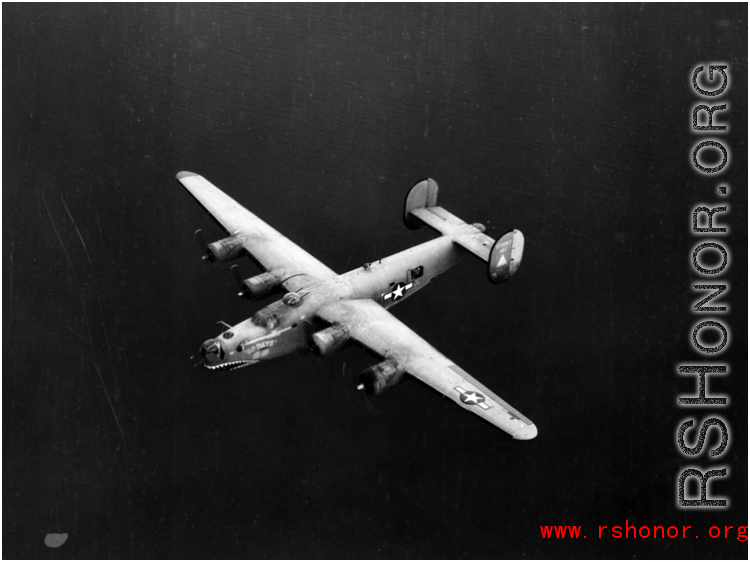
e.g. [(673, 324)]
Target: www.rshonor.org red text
[(629, 531)]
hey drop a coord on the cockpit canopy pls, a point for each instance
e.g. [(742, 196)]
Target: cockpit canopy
[(274, 314), (270, 316)]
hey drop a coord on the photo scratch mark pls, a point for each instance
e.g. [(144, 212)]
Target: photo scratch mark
[(44, 199), (11, 284), (70, 262), (85, 249), (111, 406), (86, 317), (124, 444), (104, 324), (76, 334), (93, 273), (99, 225)]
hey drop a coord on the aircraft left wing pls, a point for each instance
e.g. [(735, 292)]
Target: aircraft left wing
[(269, 248), (373, 327)]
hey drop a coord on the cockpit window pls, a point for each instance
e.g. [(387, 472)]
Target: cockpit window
[(271, 316), (265, 319), (227, 335)]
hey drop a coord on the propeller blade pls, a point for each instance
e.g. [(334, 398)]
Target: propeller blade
[(368, 400), (202, 243), (235, 269)]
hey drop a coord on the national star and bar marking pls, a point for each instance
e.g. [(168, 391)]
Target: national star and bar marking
[(472, 398), (398, 291)]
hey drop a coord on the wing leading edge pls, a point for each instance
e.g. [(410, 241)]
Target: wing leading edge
[(268, 247), (375, 328)]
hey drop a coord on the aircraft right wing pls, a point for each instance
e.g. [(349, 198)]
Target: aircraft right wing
[(373, 327), (266, 246)]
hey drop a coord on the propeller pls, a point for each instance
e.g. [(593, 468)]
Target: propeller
[(369, 401), (235, 269), (203, 246)]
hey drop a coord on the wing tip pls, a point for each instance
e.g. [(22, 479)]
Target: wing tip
[(525, 433), (183, 175)]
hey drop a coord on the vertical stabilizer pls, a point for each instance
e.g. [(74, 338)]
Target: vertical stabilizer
[(423, 194), (505, 256)]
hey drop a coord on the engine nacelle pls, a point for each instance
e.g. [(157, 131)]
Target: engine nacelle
[(329, 341), (224, 250), (381, 377), (261, 286)]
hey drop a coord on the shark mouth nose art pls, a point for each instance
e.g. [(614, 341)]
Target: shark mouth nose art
[(213, 354), (232, 365)]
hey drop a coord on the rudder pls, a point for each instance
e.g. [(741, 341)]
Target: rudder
[(505, 256), (422, 194)]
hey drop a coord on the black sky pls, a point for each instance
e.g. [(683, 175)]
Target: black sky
[(571, 123)]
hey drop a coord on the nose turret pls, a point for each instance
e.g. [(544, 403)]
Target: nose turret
[(212, 352), (249, 342)]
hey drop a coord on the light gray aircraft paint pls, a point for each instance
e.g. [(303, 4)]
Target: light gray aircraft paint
[(323, 312)]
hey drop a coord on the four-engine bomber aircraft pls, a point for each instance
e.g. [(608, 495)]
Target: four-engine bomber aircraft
[(324, 311)]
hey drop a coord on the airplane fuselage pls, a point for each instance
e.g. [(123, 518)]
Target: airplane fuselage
[(286, 325), (323, 311)]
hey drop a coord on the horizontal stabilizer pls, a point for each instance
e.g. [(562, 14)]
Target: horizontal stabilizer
[(503, 256)]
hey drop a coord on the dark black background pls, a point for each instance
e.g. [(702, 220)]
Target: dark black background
[(571, 123)]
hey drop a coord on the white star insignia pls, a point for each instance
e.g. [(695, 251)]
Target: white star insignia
[(471, 397), (398, 292)]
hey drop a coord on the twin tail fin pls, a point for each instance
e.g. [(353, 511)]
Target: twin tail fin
[(503, 256)]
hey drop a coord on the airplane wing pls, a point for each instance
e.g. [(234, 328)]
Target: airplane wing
[(373, 327), (267, 247)]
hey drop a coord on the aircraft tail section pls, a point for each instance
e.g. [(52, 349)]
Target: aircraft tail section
[(423, 194), (503, 256)]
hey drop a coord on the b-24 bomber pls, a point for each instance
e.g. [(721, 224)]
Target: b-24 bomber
[(324, 312)]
